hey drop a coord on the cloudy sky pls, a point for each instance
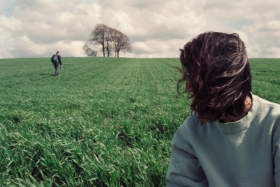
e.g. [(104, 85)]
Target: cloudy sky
[(156, 28)]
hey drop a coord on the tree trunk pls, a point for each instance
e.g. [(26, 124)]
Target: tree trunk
[(108, 50), (103, 50)]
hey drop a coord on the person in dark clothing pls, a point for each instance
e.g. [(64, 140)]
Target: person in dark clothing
[(56, 60)]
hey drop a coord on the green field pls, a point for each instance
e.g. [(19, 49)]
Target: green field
[(101, 122)]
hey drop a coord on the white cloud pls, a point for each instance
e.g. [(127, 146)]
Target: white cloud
[(156, 28)]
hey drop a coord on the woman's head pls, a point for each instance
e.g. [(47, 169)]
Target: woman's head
[(217, 74)]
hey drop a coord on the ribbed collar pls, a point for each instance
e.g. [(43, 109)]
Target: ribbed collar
[(243, 123)]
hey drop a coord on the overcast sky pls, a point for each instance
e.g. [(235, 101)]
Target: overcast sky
[(156, 28)]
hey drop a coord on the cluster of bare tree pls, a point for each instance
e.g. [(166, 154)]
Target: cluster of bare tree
[(89, 51), (111, 41)]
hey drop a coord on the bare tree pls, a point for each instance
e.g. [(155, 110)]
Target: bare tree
[(123, 44), (110, 39), (116, 35), (98, 36), (89, 51)]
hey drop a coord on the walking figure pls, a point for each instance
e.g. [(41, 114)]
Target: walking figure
[(56, 60)]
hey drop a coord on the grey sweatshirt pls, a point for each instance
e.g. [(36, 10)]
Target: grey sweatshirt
[(245, 153)]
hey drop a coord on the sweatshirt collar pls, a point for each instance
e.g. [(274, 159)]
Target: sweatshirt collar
[(243, 123)]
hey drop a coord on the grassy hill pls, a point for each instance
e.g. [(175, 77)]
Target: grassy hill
[(101, 122)]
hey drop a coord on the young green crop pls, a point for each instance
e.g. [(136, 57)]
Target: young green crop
[(100, 122)]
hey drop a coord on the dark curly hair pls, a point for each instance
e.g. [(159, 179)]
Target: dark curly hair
[(216, 70)]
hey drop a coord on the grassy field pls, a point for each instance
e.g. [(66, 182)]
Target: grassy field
[(101, 122)]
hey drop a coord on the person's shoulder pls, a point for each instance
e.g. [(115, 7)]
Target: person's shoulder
[(265, 104), (192, 129), (191, 125), (267, 110)]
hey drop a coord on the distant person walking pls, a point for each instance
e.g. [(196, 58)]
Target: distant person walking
[(56, 60)]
